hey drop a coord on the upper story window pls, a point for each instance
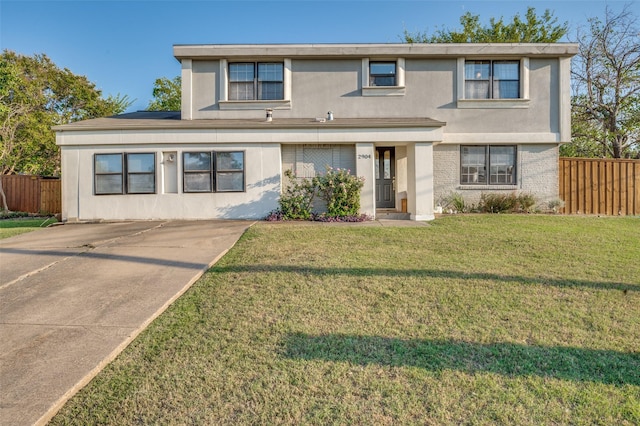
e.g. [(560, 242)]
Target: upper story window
[(383, 78), (492, 79), (492, 83), (133, 173), (382, 74), (256, 81)]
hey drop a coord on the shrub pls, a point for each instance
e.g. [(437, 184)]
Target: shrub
[(526, 202), (341, 190), (296, 201), (454, 203), (337, 187), (506, 203)]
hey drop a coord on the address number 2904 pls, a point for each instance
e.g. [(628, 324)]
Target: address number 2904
[(364, 156)]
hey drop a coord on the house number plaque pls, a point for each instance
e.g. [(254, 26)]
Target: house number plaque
[(364, 156)]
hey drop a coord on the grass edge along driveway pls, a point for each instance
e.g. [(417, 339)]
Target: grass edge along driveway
[(480, 319)]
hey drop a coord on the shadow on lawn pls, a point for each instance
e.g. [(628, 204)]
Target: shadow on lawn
[(430, 273), (509, 359)]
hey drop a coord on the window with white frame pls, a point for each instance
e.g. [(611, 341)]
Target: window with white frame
[(488, 165), (128, 173), (490, 79), (256, 81), (382, 74), (382, 77), (220, 171)]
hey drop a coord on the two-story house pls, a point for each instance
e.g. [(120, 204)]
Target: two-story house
[(417, 121)]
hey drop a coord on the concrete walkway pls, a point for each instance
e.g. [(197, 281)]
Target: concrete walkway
[(73, 297)]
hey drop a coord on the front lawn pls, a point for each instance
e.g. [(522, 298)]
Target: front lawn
[(481, 319), (11, 227)]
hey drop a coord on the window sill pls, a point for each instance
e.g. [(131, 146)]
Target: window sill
[(252, 105), (493, 103), (510, 187), (383, 91)]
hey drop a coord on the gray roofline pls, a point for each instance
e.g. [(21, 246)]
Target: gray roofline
[(407, 50), (164, 123)]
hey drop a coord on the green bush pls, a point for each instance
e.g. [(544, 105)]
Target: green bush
[(506, 203), (498, 203), (526, 202), (341, 190), (296, 200), (454, 203)]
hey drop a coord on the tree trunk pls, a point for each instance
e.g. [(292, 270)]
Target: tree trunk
[(5, 208)]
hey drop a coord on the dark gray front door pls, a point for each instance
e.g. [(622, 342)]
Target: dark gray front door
[(385, 177)]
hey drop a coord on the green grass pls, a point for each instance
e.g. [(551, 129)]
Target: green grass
[(481, 319), (11, 227)]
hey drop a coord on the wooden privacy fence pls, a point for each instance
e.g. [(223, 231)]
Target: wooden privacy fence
[(600, 186), (32, 194)]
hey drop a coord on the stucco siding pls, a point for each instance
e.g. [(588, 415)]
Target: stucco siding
[(333, 84), (262, 187), (206, 81)]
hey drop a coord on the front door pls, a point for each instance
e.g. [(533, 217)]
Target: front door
[(385, 177)]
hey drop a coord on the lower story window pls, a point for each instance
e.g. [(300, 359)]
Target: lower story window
[(132, 173), (220, 171), (488, 165)]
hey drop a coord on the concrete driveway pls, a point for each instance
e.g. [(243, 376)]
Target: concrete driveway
[(72, 297)]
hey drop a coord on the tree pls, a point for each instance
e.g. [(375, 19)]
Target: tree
[(34, 96), (167, 95), (606, 85), (531, 29)]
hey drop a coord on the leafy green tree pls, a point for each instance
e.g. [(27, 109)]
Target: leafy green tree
[(530, 29), (34, 96), (606, 83), (166, 95)]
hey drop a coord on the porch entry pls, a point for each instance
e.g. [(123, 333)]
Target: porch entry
[(385, 171)]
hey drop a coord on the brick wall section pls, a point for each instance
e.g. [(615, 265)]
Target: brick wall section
[(537, 173)]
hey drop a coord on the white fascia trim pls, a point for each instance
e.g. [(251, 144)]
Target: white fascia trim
[(492, 138), (177, 138)]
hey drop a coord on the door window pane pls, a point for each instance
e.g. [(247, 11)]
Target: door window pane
[(387, 164)]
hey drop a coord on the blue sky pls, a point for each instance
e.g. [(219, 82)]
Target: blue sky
[(124, 45)]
